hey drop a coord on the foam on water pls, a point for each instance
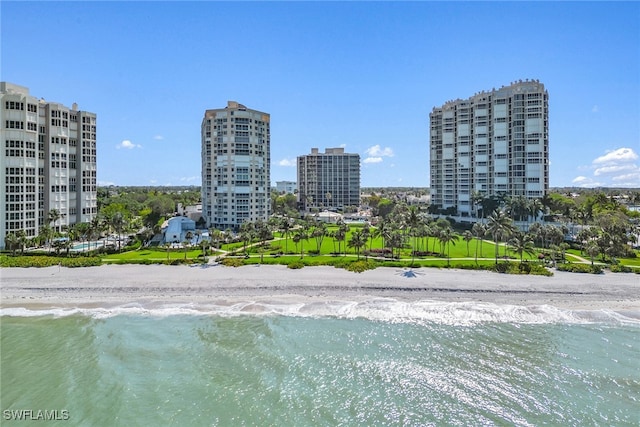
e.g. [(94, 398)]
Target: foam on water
[(379, 309)]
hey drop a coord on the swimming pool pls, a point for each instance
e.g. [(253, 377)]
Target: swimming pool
[(87, 246)]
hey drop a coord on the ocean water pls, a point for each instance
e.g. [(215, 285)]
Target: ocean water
[(374, 363)]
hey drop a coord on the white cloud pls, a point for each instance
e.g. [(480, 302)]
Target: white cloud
[(619, 155), (128, 145), (158, 137), (616, 168), (377, 151), (188, 178), (613, 169), (287, 162), (629, 179), (106, 183), (372, 160), (343, 145), (585, 182)]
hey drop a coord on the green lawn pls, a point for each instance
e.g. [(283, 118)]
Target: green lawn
[(458, 254), (486, 249), (153, 255)]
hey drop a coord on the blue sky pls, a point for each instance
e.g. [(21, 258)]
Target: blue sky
[(363, 75)]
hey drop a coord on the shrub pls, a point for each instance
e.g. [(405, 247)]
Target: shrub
[(232, 262), (48, 261), (470, 267), (539, 270), (81, 262), (360, 266), (295, 265), (620, 269), (377, 252), (580, 268), (425, 253), (502, 267), (524, 267)]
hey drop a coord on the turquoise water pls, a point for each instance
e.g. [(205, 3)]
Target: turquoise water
[(214, 369), (87, 245)]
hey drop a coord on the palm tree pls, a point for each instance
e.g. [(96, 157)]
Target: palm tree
[(53, 216), (592, 249), (22, 240), (340, 235), (382, 230), (319, 232), (447, 237), (478, 231), (499, 225), (46, 233), (412, 221), (300, 235), (215, 236), (204, 244), (11, 241), (357, 241), (188, 237), (246, 234), (95, 228), (285, 226), (117, 222), (476, 200), (82, 230), (535, 208), (395, 239), (522, 244), (366, 234), (467, 236), (263, 233), (329, 196)]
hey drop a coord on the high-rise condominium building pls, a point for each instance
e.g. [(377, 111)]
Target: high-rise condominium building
[(329, 180), (236, 165), (47, 163), (494, 143)]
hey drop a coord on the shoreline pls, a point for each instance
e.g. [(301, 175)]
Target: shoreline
[(156, 285)]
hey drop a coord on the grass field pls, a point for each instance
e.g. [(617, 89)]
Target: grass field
[(285, 251)]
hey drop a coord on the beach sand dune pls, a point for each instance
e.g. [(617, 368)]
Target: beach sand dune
[(110, 285)]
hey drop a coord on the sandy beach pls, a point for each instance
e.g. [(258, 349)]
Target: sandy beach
[(150, 285)]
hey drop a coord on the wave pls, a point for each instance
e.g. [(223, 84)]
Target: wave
[(378, 309)]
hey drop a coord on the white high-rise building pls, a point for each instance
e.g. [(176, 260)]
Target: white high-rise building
[(47, 162), (329, 180), (236, 163), (493, 143)]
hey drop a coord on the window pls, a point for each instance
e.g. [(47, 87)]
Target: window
[(14, 124)]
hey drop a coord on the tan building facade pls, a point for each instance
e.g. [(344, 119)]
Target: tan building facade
[(236, 162), (493, 143), (329, 180), (48, 162)]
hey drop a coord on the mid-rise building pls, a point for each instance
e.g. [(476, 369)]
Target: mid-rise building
[(47, 163), (236, 163), (493, 143), (329, 180), (286, 187)]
